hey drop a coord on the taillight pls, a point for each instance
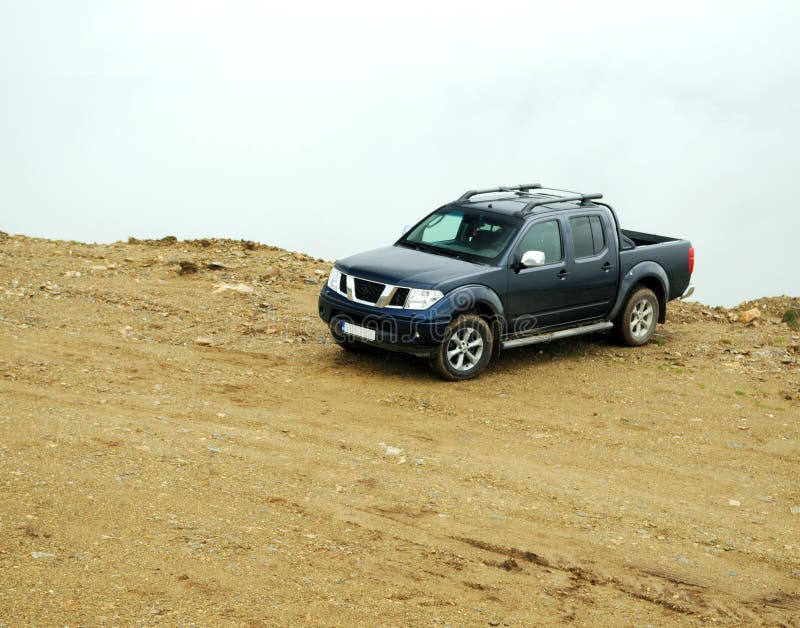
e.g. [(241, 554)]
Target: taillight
[(691, 260)]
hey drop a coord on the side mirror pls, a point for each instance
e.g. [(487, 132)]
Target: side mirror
[(531, 259), (405, 230)]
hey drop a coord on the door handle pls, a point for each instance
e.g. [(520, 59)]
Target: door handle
[(606, 267), (562, 274)]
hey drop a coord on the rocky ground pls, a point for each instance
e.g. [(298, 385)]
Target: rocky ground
[(180, 443)]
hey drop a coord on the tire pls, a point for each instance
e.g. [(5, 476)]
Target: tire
[(466, 349), (637, 322), (346, 343)]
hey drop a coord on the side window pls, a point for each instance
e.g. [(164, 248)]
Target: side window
[(587, 235), (545, 237), (442, 228), (598, 237), (582, 236)]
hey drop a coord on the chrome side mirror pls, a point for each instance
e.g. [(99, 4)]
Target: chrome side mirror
[(532, 259)]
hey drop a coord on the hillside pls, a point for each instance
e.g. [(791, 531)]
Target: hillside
[(180, 442)]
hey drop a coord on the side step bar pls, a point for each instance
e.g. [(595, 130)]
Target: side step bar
[(564, 333)]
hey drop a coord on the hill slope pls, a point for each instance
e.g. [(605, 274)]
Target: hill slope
[(180, 448)]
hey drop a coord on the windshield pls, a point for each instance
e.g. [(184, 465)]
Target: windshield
[(458, 232)]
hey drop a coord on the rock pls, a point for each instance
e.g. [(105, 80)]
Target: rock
[(237, 287), (749, 316), (310, 281), (271, 274), (40, 555), (682, 560), (215, 450), (795, 510), (216, 266), (389, 450), (187, 268), (734, 502), (509, 564), (203, 342)]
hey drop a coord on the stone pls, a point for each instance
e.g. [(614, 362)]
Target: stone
[(389, 450), (749, 316), (187, 268), (242, 288), (216, 266), (41, 555), (203, 342)]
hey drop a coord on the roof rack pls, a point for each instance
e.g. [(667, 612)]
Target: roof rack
[(583, 198), (503, 188)]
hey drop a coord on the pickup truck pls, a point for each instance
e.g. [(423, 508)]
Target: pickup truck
[(505, 267)]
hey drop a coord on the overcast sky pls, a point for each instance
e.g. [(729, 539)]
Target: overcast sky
[(326, 127)]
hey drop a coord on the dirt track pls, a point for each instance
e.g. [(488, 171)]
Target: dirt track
[(270, 477)]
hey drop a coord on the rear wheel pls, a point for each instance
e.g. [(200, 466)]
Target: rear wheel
[(637, 321), (465, 350)]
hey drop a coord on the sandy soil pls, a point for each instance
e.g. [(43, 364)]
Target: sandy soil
[(265, 476)]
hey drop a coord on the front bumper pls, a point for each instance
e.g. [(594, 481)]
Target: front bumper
[(417, 332)]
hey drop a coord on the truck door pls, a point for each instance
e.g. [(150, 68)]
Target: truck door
[(592, 249), (535, 297)]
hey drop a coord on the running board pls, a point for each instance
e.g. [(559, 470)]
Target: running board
[(564, 333)]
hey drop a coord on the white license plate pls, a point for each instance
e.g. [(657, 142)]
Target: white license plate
[(358, 331)]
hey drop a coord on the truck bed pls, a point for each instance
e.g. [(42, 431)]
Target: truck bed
[(639, 238), (672, 254)]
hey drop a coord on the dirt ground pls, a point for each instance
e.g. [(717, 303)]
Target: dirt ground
[(191, 448)]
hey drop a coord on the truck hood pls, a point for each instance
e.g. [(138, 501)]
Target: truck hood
[(398, 265)]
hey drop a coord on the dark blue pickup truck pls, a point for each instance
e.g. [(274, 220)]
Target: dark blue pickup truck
[(501, 268)]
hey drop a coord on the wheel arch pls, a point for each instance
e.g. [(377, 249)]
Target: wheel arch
[(484, 302), (649, 275)]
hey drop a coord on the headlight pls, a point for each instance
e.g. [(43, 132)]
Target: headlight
[(422, 299), (334, 279)]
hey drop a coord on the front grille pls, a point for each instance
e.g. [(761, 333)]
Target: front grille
[(343, 283), (368, 291), (399, 298)]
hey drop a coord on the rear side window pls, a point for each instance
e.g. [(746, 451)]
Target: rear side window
[(587, 235)]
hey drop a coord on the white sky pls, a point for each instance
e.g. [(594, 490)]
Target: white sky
[(325, 127)]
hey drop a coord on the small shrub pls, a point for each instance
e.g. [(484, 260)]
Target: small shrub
[(792, 319)]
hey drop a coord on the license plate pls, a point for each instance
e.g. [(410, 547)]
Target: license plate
[(357, 331)]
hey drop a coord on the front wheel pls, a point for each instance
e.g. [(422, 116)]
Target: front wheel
[(465, 350), (637, 321)]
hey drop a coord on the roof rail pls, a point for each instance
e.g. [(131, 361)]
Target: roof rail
[(583, 198), (503, 188)]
